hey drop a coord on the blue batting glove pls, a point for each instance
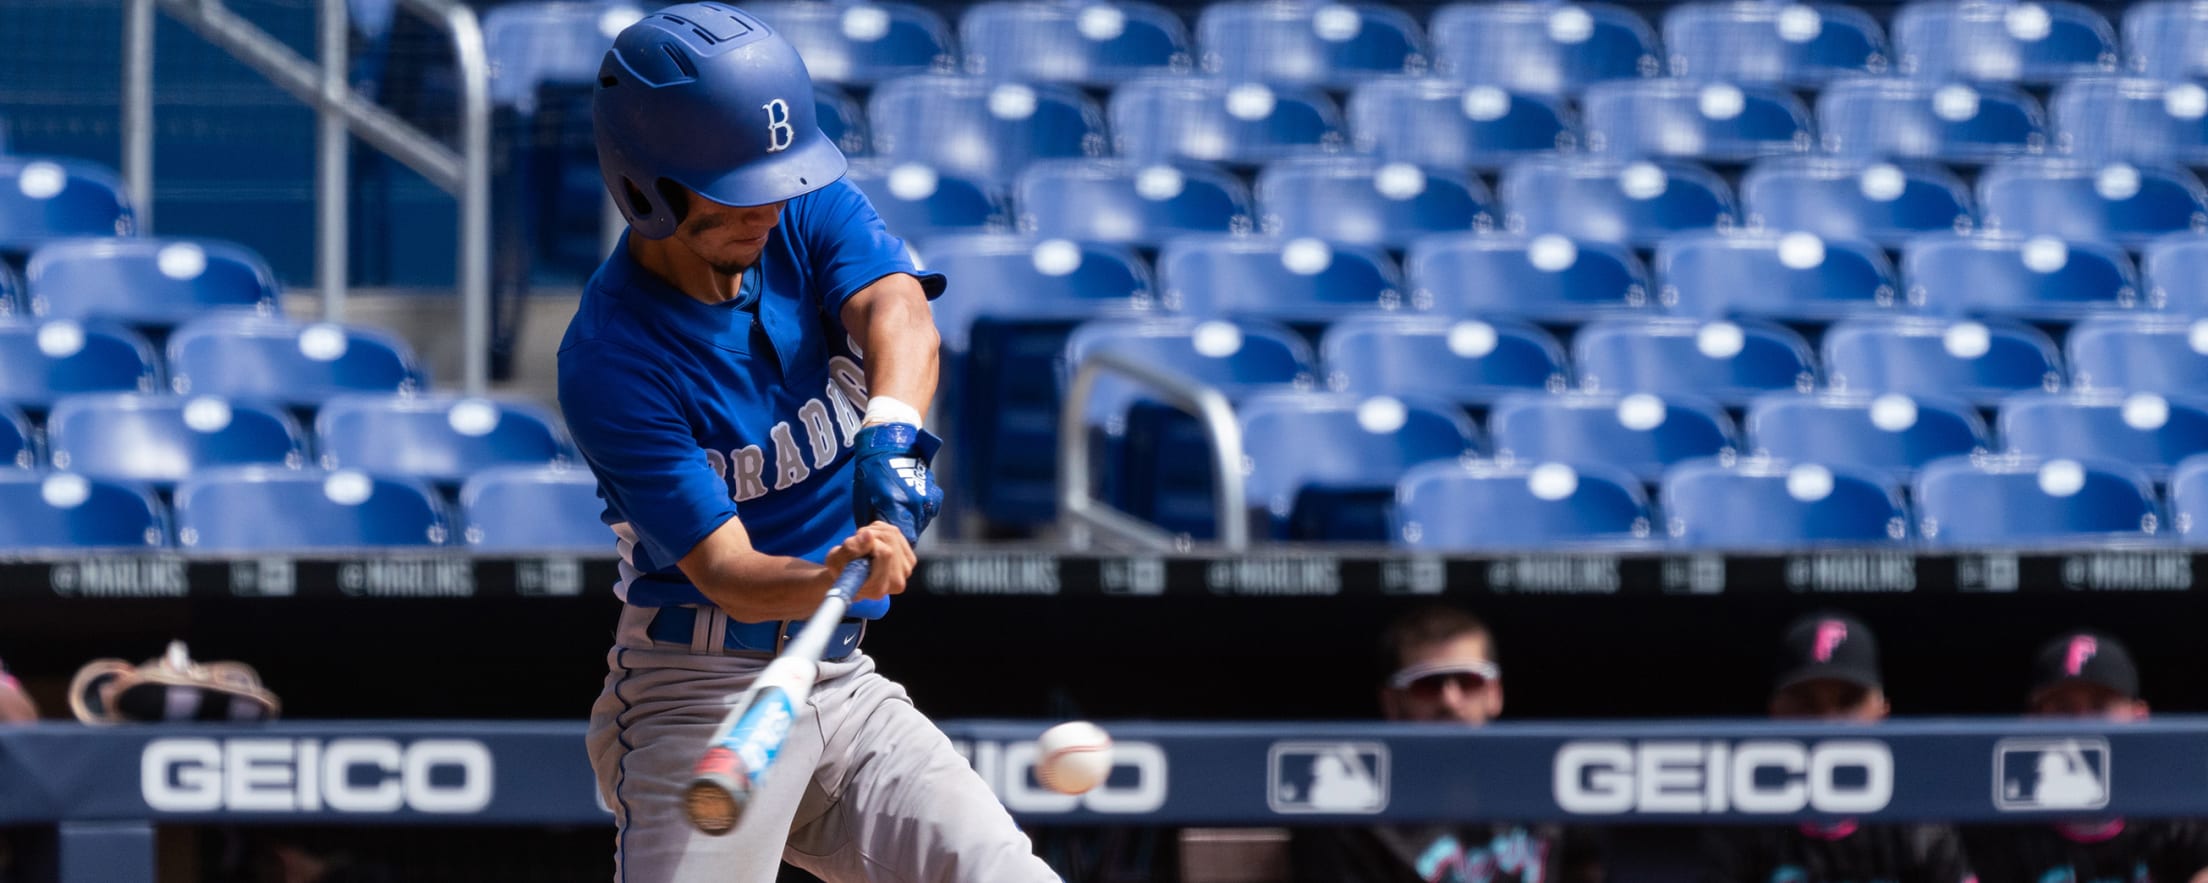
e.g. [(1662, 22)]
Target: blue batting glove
[(892, 482)]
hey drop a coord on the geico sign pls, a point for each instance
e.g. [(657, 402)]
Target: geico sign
[(1008, 768), (1756, 776), (309, 775)]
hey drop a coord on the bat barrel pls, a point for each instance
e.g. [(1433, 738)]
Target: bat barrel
[(714, 803)]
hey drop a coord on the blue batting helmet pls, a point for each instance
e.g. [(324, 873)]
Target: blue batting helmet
[(708, 97)]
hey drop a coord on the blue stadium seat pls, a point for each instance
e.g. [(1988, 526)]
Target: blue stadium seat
[(1217, 120), (1321, 44), (2145, 353), (1366, 202), (1604, 199), (2040, 277), (1761, 504), (43, 360), (514, 509), (1546, 277), (1777, 275), (529, 44), (861, 42), (1798, 43), (18, 445), (2080, 199), (983, 129), (1301, 280), (2148, 430), (49, 197), (160, 439), (1730, 361), (441, 439), (1699, 119), (1893, 433), (241, 509), (1444, 124), (11, 304), (1494, 506), (2166, 39), (155, 282), (1467, 361), (1982, 361), (1885, 118), (1091, 43), (2151, 121), (2044, 41), (2174, 270), (1324, 466), (296, 364), (2023, 503), (63, 510), (1131, 203), (918, 201), (1023, 278), (1642, 434), (2189, 499), (1839, 198), (1546, 48), (842, 119)]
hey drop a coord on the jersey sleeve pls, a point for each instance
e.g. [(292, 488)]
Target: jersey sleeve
[(851, 247), (626, 417)]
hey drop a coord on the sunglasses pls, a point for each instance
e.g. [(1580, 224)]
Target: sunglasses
[(1428, 680)]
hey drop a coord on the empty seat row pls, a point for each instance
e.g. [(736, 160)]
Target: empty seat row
[(145, 282), (243, 357)]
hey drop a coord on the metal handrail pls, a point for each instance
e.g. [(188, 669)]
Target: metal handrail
[(465, 174), (1082, 514)]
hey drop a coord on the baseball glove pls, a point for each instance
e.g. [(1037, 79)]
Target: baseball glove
[(171, 688)]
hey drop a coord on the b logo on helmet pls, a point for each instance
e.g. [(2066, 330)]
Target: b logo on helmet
[(779, 133)]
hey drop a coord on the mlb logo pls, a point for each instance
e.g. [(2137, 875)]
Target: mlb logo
[(2050, 774), (1327, 777)]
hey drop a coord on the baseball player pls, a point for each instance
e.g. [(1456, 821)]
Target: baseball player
[(746, 376)]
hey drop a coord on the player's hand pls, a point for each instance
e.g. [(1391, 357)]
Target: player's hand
[(892, 482), (886, 547)]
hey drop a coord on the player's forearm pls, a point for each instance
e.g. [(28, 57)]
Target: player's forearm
[(757, 587), (896, 330)]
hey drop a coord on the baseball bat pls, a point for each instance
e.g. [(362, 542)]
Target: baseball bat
[(743, 748)]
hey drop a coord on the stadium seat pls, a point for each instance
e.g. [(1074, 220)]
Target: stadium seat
[(160, 439), (1839, 198), (1497, 506), (1131, 203), (1545, 48), (2142, 353), (2166, 39), (295, 364), (2151, 121), (49, 197), (1312, 43), (2189, 500), (2040, 277), (1797, 43), (1695, 119), (1467, 361), (1219, 120), (983, 129), (532, 43), (2174, 271), (18, 445), (62, 510), (11, 304), (1893, 433), (1546, 277), (1324, 466), (1776, 275), (511, 509), (1091, 44), (919, 201), (2043, 41), (1363, 201), (1757, 504), (155, 282), (2148, 430), (1604, 199), (40, 361), (861, 42), (2025, 503), (1444, 124), (1305, 280), (1730, 361), (1641, 434), (842, 119), (1884, 118), (440, 439), (2080, 199), (1981, 361), (242, 509), (1023, 278)]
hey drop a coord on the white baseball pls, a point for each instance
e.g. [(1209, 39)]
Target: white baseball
[(1073, 757)]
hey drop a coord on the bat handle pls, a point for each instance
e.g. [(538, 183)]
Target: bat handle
[(846, 586)]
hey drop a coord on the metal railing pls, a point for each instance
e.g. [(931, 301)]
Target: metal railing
[(465, 174), (1082, 515)]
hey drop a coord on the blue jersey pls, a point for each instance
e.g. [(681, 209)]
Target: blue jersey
[(692, 413)]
